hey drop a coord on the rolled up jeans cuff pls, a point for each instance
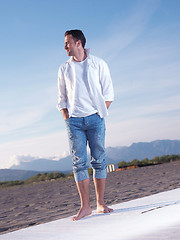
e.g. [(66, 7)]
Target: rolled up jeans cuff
[(81, 175), (100, 173)]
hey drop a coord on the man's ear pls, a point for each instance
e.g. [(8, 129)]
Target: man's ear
[(79, 43)]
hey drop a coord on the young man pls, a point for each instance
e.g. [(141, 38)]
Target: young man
[(85, 94)]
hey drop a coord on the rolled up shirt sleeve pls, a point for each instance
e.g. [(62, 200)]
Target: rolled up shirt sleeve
[(62, 95), (106, 82)]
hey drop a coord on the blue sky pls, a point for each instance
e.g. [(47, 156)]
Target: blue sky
[(138, 39)]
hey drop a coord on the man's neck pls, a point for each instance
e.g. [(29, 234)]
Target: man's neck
[(80, 57)]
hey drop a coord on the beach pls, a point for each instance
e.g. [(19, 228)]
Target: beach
[(28, 205)]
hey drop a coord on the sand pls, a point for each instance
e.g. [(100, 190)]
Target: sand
[(33, 204)]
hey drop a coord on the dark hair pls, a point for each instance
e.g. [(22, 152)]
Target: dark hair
[(77, 35)]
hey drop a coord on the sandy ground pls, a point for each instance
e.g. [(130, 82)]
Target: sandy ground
[(29, 205)]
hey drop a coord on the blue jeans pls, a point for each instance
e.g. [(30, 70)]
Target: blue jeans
[(89, 129)]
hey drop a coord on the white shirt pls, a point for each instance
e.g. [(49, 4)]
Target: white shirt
[(83, 104), (99, 84)]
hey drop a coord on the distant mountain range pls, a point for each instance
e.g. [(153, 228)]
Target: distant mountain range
[(143, 150), (11, 175), (114, 155)]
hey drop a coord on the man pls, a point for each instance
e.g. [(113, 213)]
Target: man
[(85, 94)]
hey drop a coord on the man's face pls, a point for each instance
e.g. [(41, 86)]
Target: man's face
[(70, 45)]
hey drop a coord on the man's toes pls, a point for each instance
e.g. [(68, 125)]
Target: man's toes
[(108, 210)]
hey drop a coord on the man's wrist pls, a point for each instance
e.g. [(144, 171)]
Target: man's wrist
[(65, 113)]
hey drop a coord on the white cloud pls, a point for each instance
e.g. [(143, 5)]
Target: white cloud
[(17, 159), (51, 146)]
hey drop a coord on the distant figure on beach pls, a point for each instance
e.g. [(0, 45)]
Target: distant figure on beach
[(85, 92)]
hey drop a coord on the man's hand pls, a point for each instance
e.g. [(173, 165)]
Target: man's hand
[(65, 113)]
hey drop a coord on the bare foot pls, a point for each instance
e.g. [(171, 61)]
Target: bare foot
[(83, 212), (104, 209)]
